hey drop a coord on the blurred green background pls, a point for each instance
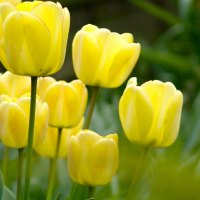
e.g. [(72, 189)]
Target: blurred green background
[(169, 32)]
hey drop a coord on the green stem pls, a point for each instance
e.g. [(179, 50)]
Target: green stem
[(19, 175), (156, 11), (91, 107), (52, 169), (91, 193), (137, 172), (5, 164), (30, 138)]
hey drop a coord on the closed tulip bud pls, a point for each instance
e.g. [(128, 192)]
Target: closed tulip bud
[(47, 146), (150, 114), (33, 37), (67, 103), (14, 85), (103, 58), (92, 159), (14, 120)]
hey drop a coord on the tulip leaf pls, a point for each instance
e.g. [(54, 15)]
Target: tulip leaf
[(8, 194)]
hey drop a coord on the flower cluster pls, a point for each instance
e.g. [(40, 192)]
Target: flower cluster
[(33, 38)]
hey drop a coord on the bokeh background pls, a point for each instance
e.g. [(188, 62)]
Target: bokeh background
[(169, 33)]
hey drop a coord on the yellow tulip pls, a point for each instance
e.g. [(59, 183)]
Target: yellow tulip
[(14, 120), (92, 159), (103, 58), (14, 85), (150, 114), (47, 146), (33, 37), (67, 102), (14, 2)]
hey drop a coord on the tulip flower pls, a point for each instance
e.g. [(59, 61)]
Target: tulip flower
[(150, 114), (14, 120), (67, 103), (14, 85), (47, 146), (33, 37), (102, 58), (92, 159)]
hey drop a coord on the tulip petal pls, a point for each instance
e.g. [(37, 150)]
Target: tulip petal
[(26, 43), (122, 65), (14, 125), (86, 55), (102, 162), (136, 114), (172, 119), (74, 160)]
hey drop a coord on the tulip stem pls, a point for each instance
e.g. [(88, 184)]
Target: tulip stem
[(19, 175), (5, 164), (91, 193), (30, 138), (52, 168), (91, 107), (137, 172)]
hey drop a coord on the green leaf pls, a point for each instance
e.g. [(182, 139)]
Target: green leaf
[(8, 194)]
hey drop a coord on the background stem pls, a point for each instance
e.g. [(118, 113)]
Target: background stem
[(19, 175), (91, 107), (52, 169), (137, 172), (5, 164), (30, 137)]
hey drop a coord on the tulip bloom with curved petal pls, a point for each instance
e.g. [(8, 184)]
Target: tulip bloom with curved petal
[(14, 85), (67, 103), (150, 114), (33, 37), (47, 146), (103, 58), (92, 159), (14, 120)]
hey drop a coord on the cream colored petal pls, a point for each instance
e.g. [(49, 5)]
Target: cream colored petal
[(102, 162), (43, 84), (14, 125), (128, 37), (172, 119), (41, 121), (89, 28), (136, 114), (74, 160), (26, 44), (123, 64), (51, 15), (86, 55)]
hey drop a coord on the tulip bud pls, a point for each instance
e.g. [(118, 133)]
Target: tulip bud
[(33, 37), (14, 85), (47, 146), (67, 102), (150, 114), (92, 159), (103, 58), (14, 120)]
